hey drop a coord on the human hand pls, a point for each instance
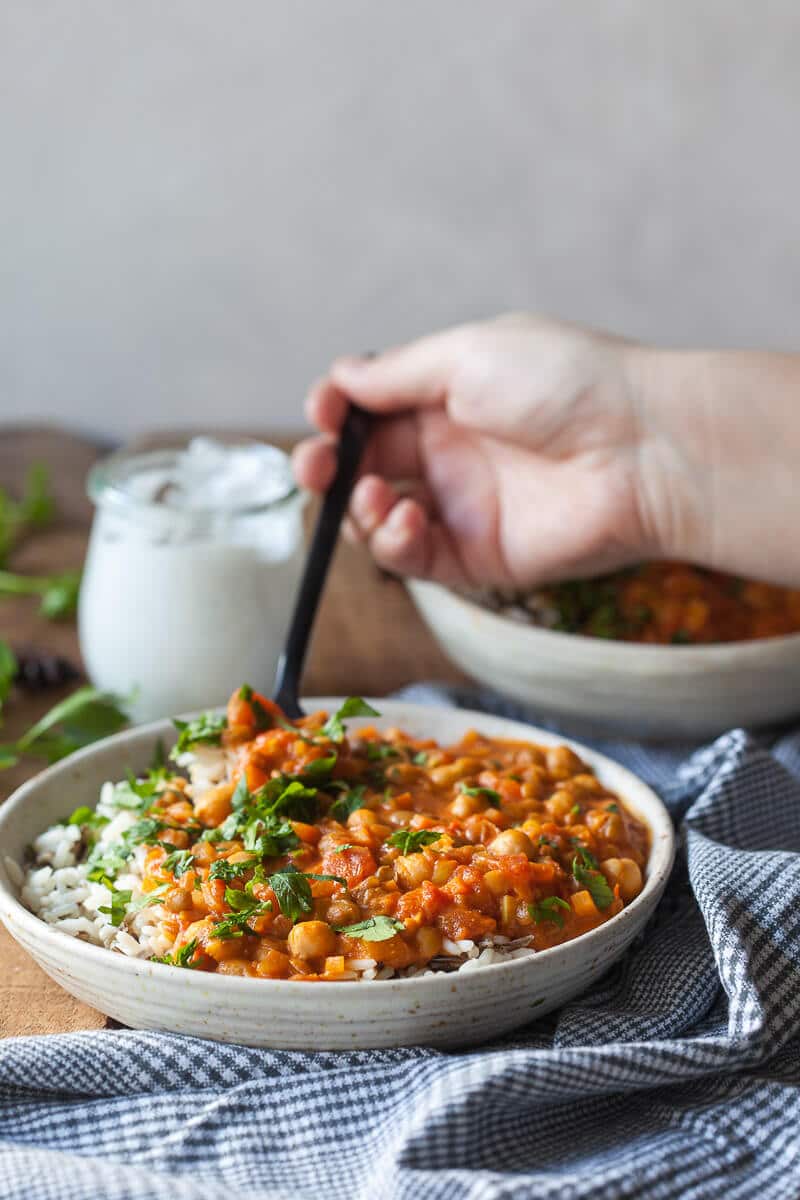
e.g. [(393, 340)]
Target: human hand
[(518, 440)]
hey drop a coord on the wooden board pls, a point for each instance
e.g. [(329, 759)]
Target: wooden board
[(368, 640)]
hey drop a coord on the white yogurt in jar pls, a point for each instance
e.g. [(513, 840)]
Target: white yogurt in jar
[(193, 563)]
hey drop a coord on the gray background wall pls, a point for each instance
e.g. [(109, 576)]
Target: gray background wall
[(202, 202)]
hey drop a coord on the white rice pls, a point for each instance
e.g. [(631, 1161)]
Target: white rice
[(55, 885)]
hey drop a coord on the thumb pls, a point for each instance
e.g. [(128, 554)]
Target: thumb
[(411, 376)]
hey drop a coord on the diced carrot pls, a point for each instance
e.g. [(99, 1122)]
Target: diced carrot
[(583, 905)]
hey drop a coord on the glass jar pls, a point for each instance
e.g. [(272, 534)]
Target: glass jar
[(187, 589)]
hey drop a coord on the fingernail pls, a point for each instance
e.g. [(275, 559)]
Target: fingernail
[(395, 522)]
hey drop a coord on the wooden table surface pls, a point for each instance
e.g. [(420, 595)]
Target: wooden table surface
[(368, 640)]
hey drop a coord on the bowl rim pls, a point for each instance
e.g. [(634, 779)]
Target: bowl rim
[(14, 912), (594, 646)]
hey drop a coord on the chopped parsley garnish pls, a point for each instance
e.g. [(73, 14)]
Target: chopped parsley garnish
[(223, 869), (121, 901), (137, 795), (116, 910), (549, 909), (107, 861), (269, 837), (380, 751), (206, 729), (373, 929), (420, 759), (179, 862), (244, 908), (88, 817), (319, 768), (293, 890), (348, 802), (612, 808), (181, 958), (353, 706), (408, 841), (488, 793), (592, 879), (575, 810)]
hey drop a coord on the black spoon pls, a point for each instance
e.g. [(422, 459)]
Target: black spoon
[(352, 440)]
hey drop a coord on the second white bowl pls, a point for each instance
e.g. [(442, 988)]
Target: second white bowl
[(624, 687)]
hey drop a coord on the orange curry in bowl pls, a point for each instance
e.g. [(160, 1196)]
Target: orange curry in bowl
[(320, 852), (667, 603)]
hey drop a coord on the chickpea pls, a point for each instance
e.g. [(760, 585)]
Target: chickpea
[(466, 806), (411, 870), (594, 818), (341, 911), (311, 939), (362, 816), (562, 762), (626, 873), (478, 829), (214, 805), (613, 829), (178, 901), (450, 773), (512, 841), (402, 817), (559, 804)]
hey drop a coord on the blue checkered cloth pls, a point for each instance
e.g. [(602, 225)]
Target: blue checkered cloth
[(677, 1076)]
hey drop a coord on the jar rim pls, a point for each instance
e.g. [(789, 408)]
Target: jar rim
[(106, 479)]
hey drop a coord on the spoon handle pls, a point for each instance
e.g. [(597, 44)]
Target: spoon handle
[(352, 441)]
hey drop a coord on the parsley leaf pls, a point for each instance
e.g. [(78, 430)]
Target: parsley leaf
[(410, 840), (373, 929), (319, 768), (420, 758), (594, 881), (81, 718), (488, 793), (269, 837), (88, 817), (379, 751), (8, 670), (353, 706), (206, 729), (223, 869), (116, 910), (181, 958), (549, 910), (292, 891), (244, 907), (347, 803), (179, 862)]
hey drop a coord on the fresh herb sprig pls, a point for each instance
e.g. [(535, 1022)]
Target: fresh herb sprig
[(353, 706), (587, 873), (34, 510), (82, 718), (183, 956), (207, 729), (373, 929), (549, 909), (409, 841), (58, 593)]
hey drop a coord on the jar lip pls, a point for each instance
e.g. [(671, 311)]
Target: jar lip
[(105, 482)]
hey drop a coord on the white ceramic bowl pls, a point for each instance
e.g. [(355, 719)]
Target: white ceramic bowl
[(441, 1010), (658, 691)]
